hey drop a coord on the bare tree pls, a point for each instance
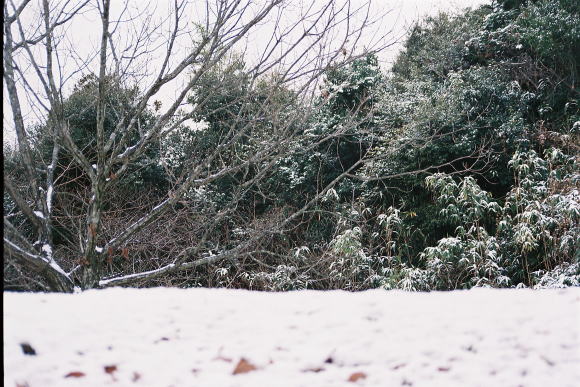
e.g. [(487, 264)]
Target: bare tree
[(136, 49)]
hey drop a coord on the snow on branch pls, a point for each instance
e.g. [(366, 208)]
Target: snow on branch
[(125, 278)]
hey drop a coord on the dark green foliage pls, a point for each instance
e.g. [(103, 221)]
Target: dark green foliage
[(80, 112), (437, 46), (231, 106), (467, 94), (348, 95)]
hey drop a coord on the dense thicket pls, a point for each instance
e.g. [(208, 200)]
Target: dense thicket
[(461, 169)]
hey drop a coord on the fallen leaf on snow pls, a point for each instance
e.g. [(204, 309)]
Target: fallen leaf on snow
[(243, 367), (223, 358), (75, 374), (357, 376), (315, 369), (22, 385), (136, 376), (110, 369), (548, 361), (27, 349), (443, 369)]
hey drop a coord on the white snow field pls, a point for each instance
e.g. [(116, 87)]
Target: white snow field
[(197, 337)]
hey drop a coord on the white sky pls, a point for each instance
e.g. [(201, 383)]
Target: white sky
[(83, 38)]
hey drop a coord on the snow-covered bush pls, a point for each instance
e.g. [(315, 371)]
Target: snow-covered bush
[(536, 229), (282, 278), (562, 276), (472, 256), (540, 224)]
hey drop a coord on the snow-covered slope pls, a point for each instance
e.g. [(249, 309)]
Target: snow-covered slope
[(197, 337)]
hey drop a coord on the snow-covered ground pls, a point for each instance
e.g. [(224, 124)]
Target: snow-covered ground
[(197, 337)]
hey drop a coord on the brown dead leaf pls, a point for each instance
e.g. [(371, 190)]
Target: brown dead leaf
[(243, 367), (125, 252), (443, 369), (25, 384), (136, 376), (75, 374), (357, 376), (110, 369)]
